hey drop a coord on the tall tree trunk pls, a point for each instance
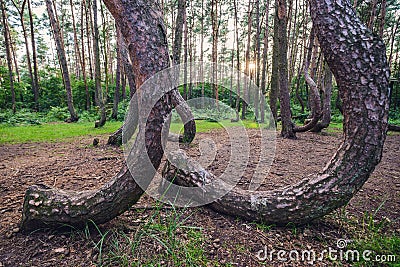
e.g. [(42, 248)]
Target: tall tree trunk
[(128, 70), (14, 56), (202, 48), (304, 58), (83, 60), (274, 90), (185, 59), (364, 89), (34, 58), (98, 89), (105, 54), (258, 61), (264, 64), (284, 97), (383, 18), (35, 90), (89, 33), (214, 53), (114, 114), (246, 85), (76, 45), (180, 20), (237, 60), (63, 60), (7, 42), (371, 21)]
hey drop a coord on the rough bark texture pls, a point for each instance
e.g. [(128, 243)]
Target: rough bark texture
[(357, 58), (284, 97), (46, 207), (180, 19)]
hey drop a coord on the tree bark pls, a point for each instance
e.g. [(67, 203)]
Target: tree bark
[(46, 207), (83, 60), (8, 54), (371, 21), (97, 70), (237, 60), (247, 70), (284, 97), (274, 90), (117, 90), (326, 112), (315, 100), (76, 45), (34, 58), (383, 18), (35, 90), (264, 64), (258, 62), (63, 60), (214, 53), (183, 111), (357, 58), (180, 19)]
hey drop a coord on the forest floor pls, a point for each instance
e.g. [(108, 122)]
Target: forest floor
[(152, 234)]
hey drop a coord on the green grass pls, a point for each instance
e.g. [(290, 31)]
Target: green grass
[(203, 126), (384, 247), (58, 132), (52, 132), (335, 127)]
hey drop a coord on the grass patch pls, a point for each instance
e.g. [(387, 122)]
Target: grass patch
[(203, 126), (335, 127), (383, 249), (52, 132), (164, 238), (58, 132)]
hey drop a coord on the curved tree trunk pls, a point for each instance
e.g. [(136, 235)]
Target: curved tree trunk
[(357, 58), (315, 100), (46, 207), (184, 112), (326, 112)]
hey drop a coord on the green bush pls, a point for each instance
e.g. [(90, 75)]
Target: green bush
[(57, 114), (21, 117)]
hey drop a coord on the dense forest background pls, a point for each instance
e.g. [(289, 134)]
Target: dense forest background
[(66, 60)]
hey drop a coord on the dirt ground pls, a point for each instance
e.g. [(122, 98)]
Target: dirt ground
[(77, 165)]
